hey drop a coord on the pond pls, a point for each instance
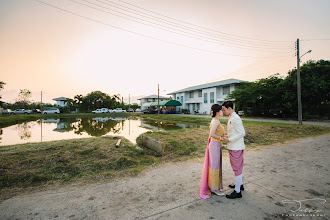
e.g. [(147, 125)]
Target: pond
[(68, 128)]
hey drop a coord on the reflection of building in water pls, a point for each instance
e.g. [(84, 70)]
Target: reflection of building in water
[(118, 119), (63, 124), (51, 120)]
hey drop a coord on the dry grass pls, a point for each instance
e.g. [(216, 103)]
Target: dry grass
[(36, 164)]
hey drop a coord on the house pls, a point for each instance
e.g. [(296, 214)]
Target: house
[(202, 97), (145, 102), (61, 101)]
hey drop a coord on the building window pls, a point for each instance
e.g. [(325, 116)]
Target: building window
[(205, 97), (200, 93), (191, 94), (226, 90), (237, 86), (178, 98), (181, 99), (212, 97)]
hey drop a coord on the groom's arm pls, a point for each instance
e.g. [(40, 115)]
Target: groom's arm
[(238, 124)]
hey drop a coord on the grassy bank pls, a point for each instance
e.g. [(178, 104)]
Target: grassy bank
[(192, 142), (7, 120), (35, 164)]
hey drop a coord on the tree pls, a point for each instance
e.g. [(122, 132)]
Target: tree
[(275, 92), (1, 87), (23, 99), (95, 100), (315, 92)]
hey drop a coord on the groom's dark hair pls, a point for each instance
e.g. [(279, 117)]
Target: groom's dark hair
[(228, 104)]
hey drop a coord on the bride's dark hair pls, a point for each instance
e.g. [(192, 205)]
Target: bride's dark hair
[(214, 109)]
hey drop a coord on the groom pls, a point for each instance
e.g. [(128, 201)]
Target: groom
[(236, 146)]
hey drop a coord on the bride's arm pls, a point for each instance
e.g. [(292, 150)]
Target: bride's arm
[(213, 130)]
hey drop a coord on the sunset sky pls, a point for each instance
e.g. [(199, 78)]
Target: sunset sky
[(70, 47)]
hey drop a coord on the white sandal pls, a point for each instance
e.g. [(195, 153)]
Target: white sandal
[(219, 193)]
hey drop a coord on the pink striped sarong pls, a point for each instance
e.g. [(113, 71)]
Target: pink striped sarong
[(236, 161), (212, 171)]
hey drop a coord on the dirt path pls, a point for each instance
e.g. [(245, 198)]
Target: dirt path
[(294, 171)]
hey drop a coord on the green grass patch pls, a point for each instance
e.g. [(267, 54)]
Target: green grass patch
[(187, 143)]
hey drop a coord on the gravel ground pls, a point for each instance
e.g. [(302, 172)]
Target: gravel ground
[(293, 171)]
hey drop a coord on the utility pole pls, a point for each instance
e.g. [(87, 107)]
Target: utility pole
[(299, 85), (41, 103), (158, 99), (129, 101)]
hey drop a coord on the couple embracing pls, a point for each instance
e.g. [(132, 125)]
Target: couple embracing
[(212, 171)]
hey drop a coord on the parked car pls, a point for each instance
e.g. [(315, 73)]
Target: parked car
[(36, 111), (138, 110), (6, 111), (280, 112), (20, 111), (130, 110), (101, 110), (150, 111), (110, 110), (185, 111), (118, 110), (51, 111), (240, 113)]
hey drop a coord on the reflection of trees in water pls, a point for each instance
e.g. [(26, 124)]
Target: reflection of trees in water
[(98, 128), (23, 131)]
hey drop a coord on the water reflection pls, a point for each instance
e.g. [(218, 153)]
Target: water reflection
[(68, 128), (24, 131), (98, 126)]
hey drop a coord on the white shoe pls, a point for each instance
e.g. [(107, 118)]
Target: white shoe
[(218, 193)]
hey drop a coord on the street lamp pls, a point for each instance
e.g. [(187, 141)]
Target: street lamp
[(299, 83)]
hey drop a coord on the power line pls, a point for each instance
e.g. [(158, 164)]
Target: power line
[(246, 71), (171, 30), (315, 39), (175, 24), (144, 35), (230, 35)]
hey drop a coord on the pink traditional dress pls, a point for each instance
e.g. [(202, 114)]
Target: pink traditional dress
[(212, 171)]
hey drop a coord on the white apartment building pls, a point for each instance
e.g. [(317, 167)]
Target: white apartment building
[(146, 101), (202, 97), (61, 101)]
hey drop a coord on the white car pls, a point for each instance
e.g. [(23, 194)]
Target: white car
[(118, 110), (101, 110), (138, 110), (20, 111), (51, 111), (240, 113)]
